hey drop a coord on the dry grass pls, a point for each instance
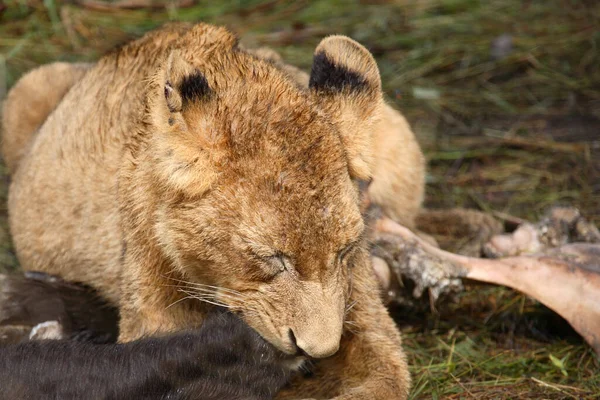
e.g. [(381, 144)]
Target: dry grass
[(508, 128)]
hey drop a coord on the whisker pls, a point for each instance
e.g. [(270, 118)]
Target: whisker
[(350, 306), (211, 292), (307, 366), (221, 288), (215, 303), (203, 285), (206, 299), (178, 301), (205, 290), (352, 326)]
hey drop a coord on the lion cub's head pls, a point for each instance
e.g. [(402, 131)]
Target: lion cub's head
[(257, 180)]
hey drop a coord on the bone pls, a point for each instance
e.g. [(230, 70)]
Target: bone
[(560, 226), (565, 279)]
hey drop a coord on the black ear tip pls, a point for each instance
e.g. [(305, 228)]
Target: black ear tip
[(194, 87), (328, 76)]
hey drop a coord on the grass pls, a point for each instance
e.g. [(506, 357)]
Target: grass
[(494, 344), (504, 96)]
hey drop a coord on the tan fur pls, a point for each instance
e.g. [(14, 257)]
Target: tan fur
[(132, 187), (24, 110), (398, 165)]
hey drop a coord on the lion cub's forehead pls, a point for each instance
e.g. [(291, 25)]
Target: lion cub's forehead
[(285, 161), (293, 211)]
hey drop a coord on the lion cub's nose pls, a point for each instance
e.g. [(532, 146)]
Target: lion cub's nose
[(321, 347)]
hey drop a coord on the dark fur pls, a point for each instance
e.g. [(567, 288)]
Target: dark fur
[(326, 76), (224, 359), (35, 297), (194, 88)]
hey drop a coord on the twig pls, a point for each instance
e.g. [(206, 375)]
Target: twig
[(554, 387), (132, 4)]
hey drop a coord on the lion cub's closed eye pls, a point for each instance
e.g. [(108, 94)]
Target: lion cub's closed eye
[(276, 262)]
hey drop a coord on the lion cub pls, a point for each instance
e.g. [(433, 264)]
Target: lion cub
[(182, 171)]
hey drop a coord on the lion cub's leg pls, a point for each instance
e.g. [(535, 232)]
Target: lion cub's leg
[(29, 103)]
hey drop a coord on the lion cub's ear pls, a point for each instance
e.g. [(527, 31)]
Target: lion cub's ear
[(182, 137), (177, 86), (183, 85), (345, 80)]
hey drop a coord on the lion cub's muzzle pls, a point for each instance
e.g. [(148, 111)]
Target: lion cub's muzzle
[(318, 332), (315, 349)]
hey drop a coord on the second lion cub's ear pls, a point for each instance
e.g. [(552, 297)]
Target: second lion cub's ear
[(346, 82)]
